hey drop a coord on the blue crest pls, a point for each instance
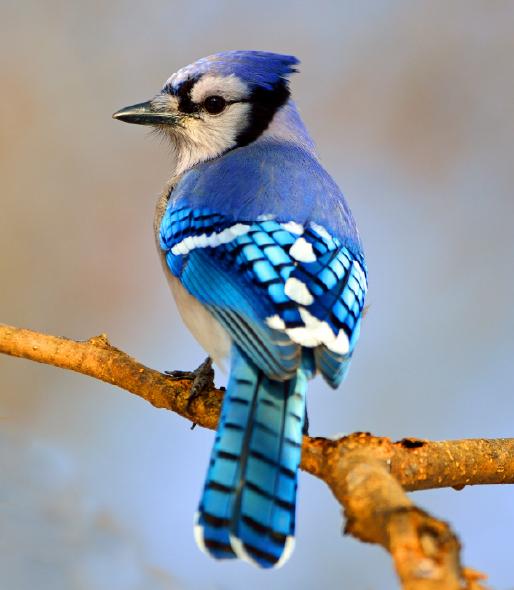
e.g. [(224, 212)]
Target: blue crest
[(256, 68)]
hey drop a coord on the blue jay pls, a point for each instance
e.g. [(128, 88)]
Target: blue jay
[(266, 266)]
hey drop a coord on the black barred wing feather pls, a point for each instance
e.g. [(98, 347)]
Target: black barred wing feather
[(277, 287)]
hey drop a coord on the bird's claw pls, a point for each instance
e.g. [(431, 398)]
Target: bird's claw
[(202, 378)]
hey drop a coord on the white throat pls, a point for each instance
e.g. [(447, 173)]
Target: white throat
[(207, 138)]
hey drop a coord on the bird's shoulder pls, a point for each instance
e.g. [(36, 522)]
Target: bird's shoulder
[(269, 178)]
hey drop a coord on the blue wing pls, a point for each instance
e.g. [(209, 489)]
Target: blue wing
[(278, 288)]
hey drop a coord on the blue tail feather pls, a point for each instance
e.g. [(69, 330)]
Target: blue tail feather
[(248, 506)]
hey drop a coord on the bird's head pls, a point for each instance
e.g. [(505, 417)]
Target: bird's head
[(217, 103)]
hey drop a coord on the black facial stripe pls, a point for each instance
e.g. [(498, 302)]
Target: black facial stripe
[(185, 104), (264, 104)]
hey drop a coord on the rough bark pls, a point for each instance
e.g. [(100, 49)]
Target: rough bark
[(368, 475)]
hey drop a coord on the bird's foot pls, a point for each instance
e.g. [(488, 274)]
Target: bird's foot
[(202, 378)]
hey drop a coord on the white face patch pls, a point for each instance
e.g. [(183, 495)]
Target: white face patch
[(165, 102), (202, 137), (229, 87)]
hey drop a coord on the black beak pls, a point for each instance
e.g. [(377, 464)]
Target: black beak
[(144, 114)]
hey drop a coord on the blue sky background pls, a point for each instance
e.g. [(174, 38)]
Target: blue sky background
[(411, 105)]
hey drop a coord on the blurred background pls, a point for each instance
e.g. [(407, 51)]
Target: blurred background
[(412, 108)]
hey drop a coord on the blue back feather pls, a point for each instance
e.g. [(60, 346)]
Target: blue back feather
[(270, 177)]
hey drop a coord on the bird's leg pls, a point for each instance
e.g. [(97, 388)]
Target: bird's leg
[(202, 378)]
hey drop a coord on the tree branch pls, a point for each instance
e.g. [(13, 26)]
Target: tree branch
[(368, 475)]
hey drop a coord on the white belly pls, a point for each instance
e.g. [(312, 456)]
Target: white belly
[(204, 327)]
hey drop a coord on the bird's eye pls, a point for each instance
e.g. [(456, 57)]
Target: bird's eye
[(214, 104)]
